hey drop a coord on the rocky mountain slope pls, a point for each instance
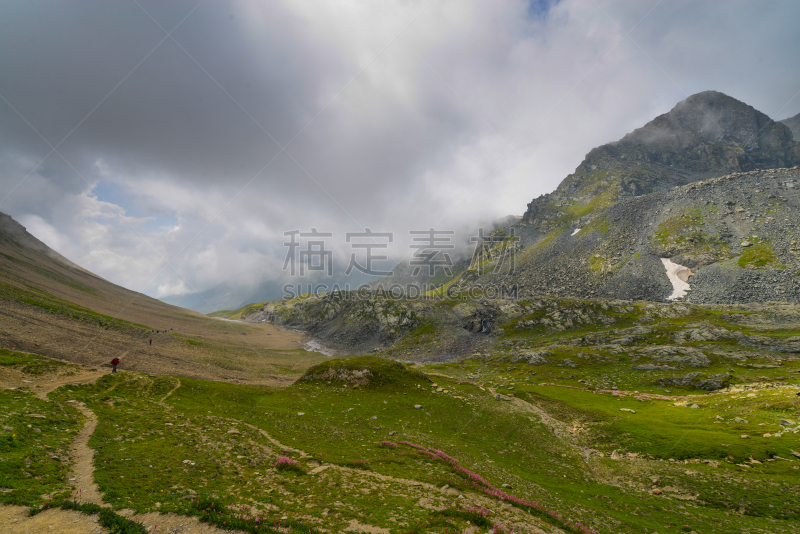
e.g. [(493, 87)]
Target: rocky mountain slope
[(32, 270), (52, 307), (708, 134), (793, 123), (657, 198), (735, 234)]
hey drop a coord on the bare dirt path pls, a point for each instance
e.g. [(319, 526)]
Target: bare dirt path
[(558, 428), (82, 475), (84, 376), (15, 520), (174, 524), (429, 495), (165, 397)]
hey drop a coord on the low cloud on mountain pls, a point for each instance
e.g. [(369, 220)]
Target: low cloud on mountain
[(167, 146)]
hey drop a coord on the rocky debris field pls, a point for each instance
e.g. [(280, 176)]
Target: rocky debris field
[(600, 343), (736, 233)]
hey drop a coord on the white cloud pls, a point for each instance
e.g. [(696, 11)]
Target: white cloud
[(398, 115)]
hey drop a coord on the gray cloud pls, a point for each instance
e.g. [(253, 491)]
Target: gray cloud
[(397, 116)]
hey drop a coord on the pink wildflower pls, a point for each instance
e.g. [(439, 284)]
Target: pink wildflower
[(285, 460)]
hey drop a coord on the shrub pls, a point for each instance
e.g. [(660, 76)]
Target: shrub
[(284, 463)]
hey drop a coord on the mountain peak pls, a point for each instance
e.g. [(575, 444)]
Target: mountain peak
[(707, 135), (793, 123), (714, 117), (13, 232)]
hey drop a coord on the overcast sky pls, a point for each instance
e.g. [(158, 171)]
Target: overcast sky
[(167, 146)]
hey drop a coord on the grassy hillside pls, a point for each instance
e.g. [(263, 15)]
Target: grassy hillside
[(52, 307), (547, 415), (412, 453), (239, 313)]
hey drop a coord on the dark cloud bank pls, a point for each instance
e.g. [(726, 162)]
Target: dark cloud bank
[(168, 146)]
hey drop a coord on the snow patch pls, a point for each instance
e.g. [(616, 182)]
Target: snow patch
[(679, 276), (315, 346), (575, 231)]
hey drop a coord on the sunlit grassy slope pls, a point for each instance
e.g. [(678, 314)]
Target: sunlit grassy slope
[(163, 442)]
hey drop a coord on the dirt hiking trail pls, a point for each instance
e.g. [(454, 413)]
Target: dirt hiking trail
[(16, 519)]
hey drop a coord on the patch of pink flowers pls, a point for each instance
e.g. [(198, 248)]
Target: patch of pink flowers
[(420, 447), (480, 483), (480, 510), (388, 444), (286, 461)]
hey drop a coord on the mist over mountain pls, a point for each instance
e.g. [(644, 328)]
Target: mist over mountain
[(707, 135), (656, 195)]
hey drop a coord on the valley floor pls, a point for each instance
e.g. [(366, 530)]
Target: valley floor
[(469, 447)]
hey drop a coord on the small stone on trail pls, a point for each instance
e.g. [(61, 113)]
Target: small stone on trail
[(745, 436), (300, 413), (233, 431), (627, 410), (318, 469), (417, 406), (694, 406), (784, 422)]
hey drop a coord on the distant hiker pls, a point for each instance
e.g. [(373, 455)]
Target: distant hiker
[(114, 364), (151, 341)]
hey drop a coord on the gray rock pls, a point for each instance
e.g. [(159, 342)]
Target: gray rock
[(654, 367), (532, 357), (714, 382), (676, 354), (698, 380)]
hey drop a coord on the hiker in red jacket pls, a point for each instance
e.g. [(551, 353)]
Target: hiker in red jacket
[(114, 364), (151, 341)]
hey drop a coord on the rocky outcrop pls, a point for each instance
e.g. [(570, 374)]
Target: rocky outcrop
[(708, 134), (347, 320), (697, 380), (710, 189), (793, 123), (671, 354), (735, 233)]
